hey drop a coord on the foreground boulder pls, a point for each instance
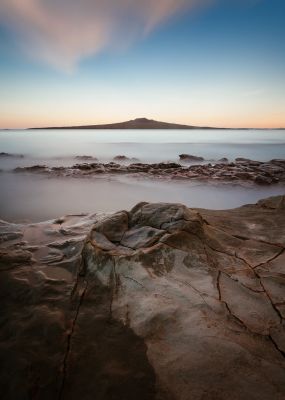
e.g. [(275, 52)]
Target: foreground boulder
[(161, 302)]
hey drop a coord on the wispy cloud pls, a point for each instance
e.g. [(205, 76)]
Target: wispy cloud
[(61, 32)]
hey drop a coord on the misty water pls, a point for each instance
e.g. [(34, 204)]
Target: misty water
[(35, 197)]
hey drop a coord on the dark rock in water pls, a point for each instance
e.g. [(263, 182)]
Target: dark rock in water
[(223, 160), (3, 154), (254, 172), (190, 158), (241, 159), (121, 158), (125, 158), (263, 180), (162, 302), (33, 168), (169, 165), (86, 158), (278, 162), (83, 167)]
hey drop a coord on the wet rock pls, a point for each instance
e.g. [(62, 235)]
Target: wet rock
[(223, 160), (190, 158), (9, 155), (121, 158), (242, 160), (86, 158), (168, 165), (33, 168), (82, 167), (263, 180), (280, 162), (254, 172)]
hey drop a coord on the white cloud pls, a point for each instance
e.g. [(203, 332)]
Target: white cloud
[(61, 32)]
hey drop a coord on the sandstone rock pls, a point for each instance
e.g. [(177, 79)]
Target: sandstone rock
[(113, 227), (141, 237), (162, 302)]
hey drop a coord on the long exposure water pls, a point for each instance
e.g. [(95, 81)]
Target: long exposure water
[(35, 198)]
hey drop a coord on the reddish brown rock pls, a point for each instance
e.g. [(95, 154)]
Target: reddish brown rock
[(162, 302)]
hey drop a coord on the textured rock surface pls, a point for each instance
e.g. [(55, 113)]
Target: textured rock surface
[(162, 302), (243, 171)]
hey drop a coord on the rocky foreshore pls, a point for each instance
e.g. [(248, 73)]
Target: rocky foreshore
[(161, 302), (241, 171)]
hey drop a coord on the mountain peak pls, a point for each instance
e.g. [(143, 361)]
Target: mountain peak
[(142, 120), (138, 123)]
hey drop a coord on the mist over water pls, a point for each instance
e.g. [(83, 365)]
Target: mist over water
[(36, 198), (60, 146)]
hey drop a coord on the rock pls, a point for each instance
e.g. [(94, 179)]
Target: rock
[(141, 237), (242, 160), (278, 162), (223, 160), (254, 172), (86, 158), (274, 203), (190, 158), (161, 302), (169, 165), (14, 257), (263, 180), (82, 167), (121, 158), (33, 168), (114, 227), (5, 155)]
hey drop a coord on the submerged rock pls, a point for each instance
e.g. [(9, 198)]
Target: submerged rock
[(161, 302), (86, 158), (5, 155)]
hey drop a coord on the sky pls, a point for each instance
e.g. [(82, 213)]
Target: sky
[(199, 62)]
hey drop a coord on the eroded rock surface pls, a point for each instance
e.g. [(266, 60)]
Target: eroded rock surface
[(161, 302), (243, 171)]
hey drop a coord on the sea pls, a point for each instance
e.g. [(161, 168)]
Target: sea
[(32, 197)]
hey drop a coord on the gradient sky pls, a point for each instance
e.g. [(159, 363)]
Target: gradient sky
[(207, 62)]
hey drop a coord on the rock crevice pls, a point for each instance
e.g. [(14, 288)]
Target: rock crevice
[(161, 302)]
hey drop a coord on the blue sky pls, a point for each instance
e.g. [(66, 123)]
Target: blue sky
[(222, 64)]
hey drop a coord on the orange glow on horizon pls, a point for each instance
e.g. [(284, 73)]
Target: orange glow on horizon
[(12, 122)]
